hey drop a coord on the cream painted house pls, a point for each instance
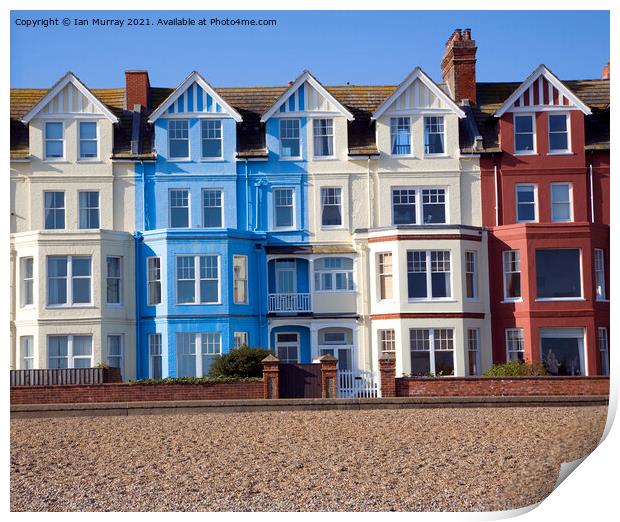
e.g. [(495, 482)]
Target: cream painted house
[(72, 217)]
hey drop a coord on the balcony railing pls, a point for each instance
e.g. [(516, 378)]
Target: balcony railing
[(286, 303)]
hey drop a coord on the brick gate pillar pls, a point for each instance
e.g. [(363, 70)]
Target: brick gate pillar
[(387, 368), (329, 376), (271, 377)]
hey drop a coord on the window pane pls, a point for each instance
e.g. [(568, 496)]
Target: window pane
[(561, 356), (523, 124), (434, 206), (88, 130), (558, 141), (88, 149), (53, 131), (400, 135), (403, 201), (558, 273), (179, 148), (211, 148)]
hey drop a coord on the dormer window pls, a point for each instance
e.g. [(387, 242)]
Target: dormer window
[(211, 139), (290, 146), (178, 139), (524, 134), (434, 135), (54, 140), (400, 136), (88, 140), (558, 133), (323, 138)]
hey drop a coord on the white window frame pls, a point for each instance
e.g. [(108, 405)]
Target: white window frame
[(280, 268), (471, 267), (332, 272), (244, 282), (431, 351), (568, 150), (46, 139), (288, 343), (63, 208), (323, 205), (519, 188), (443, 133), (568, 333), (602, 341), (472, 345), (197, 279), (599, 275), (119, 278), (293, 209), (387, 340), (506, 261), (189, 207), (329, 134), (429, 275), (70, 356), (569, 202), (149, 297), (121, 356), (381, 273), (189, 144), (395, 125), (240, 339), (69, 282), (26, 282), (155, 340), (514, 337), (534, 150), (419, 194), (26, 362), (98, 208), (581, 285), (282, 156), (198, 353), (204, 206), (204, 123), (80, 140)]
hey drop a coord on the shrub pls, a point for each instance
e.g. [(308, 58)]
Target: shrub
[(516, 369), (240, 362), (194, 380)]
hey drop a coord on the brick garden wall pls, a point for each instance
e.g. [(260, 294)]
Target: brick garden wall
[(124, 392), (500, 386)]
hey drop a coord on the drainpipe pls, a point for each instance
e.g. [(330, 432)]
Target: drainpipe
[(591, 190), (369, 198), (247, 197), (138, 264), (496, 193)]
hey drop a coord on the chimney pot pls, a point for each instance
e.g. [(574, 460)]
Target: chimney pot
[(605, 75)]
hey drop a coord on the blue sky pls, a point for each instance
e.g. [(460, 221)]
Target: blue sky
[(373, 47)]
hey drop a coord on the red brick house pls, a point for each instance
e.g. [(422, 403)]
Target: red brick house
[(544, 159)]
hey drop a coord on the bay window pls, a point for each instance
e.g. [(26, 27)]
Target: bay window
[(241, 339), (432, 351), (196, 352), (203, 289), (68, 280), (428, 270), (471, 275), (603, 351), (26, 347), (240, 279), (473, 352), (387, 341), (155, 356), (113, 280), (512, 275), (115, 351), (599, 274), (69, 351), (153, 289), (558, 273), (26, 267), (384, 265), (333, 274)]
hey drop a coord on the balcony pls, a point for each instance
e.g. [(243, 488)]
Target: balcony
[(290, 303)]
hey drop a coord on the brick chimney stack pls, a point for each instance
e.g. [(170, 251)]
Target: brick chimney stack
[(137, 89), (605, 75), (458, 66)]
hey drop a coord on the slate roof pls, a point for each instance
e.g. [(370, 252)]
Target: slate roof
[(362, 101)]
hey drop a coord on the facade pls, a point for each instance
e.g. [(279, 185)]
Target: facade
[(313, 220)]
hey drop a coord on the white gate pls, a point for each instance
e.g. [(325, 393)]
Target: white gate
[(358, 383)]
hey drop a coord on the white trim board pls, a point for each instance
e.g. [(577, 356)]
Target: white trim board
[(542, 70), (69, 77), (306, 76), (418, 74), (194, 77)]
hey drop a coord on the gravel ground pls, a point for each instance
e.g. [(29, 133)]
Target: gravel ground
[(403, 460)]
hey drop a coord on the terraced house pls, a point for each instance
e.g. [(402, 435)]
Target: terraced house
[(312, 220)]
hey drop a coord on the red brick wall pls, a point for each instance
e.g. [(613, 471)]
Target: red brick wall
[(501, 386), (124, 392)]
